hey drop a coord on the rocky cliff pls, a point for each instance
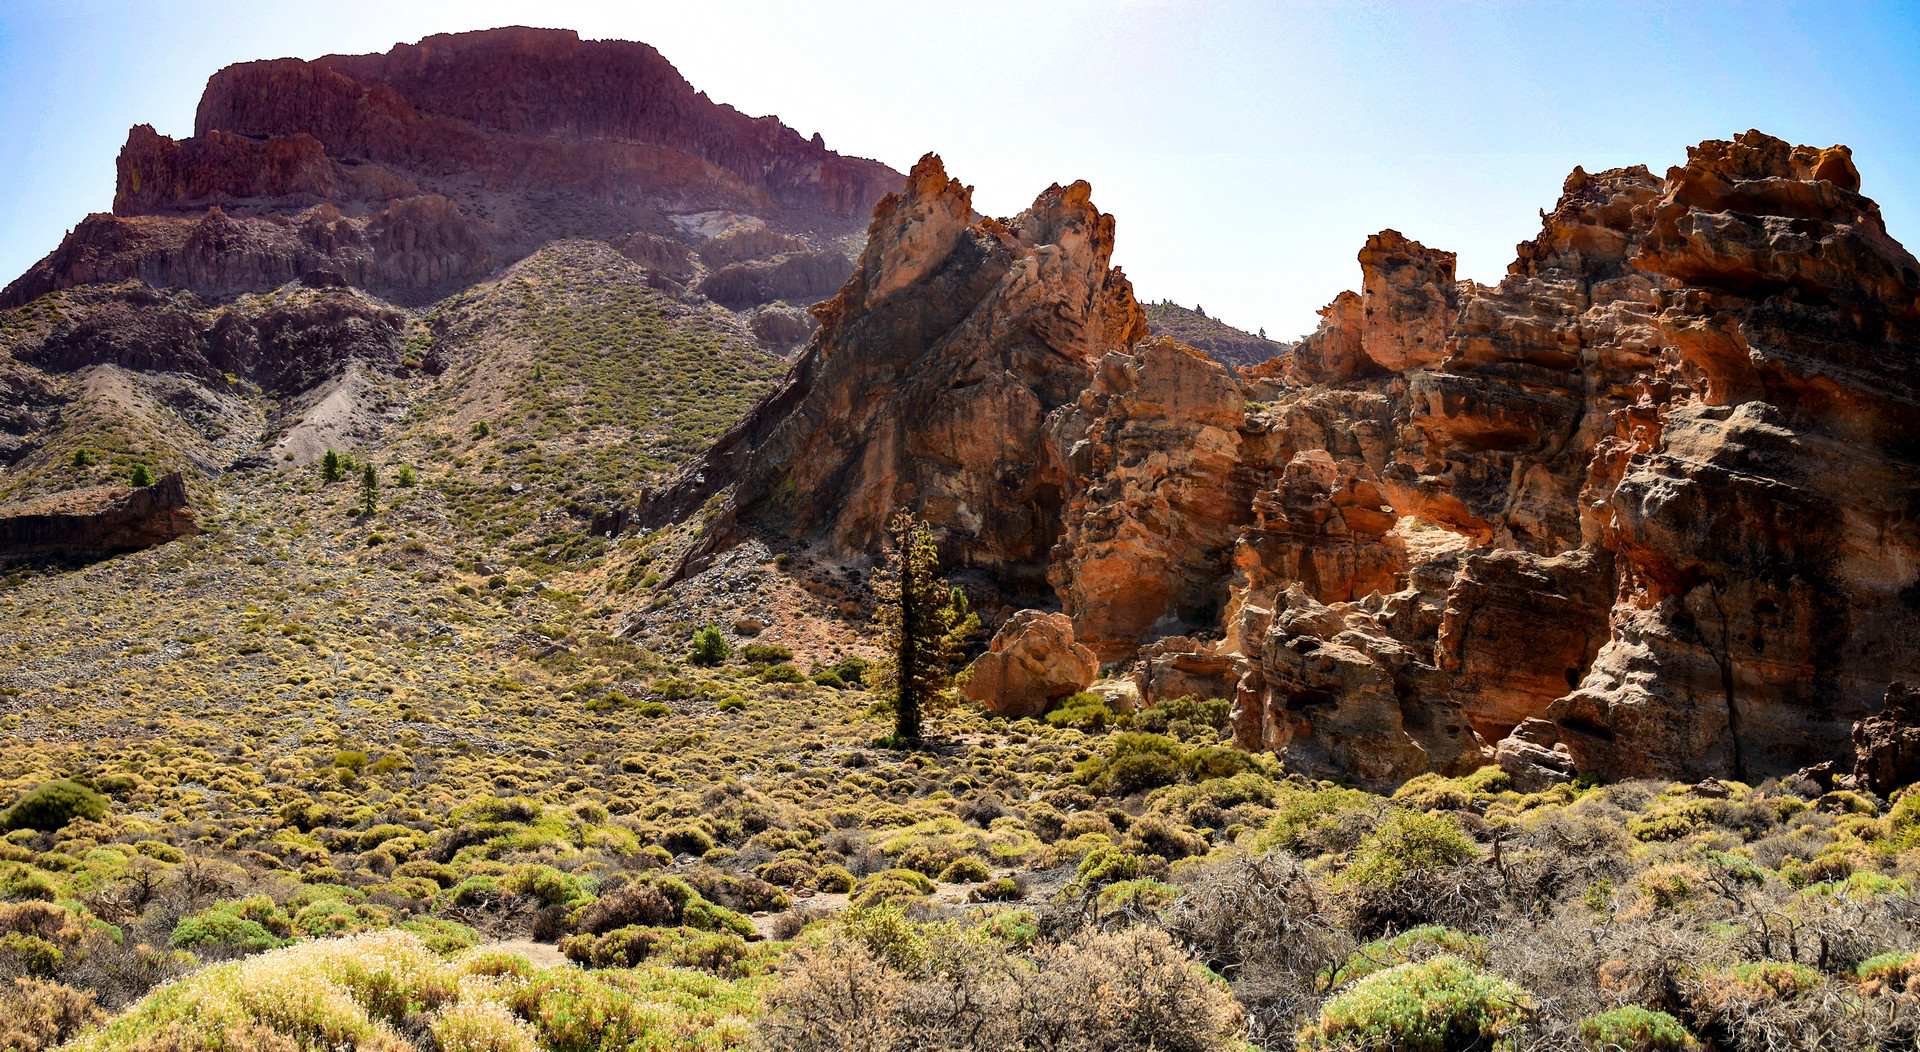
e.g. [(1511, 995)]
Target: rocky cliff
[(1644, 508), (929, 386), (97, 521), (432, 165)]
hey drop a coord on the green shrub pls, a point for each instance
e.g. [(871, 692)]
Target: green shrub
[(620, 948), (834, 880), (1903, 822), (765, 653), (1216, 761), (141, 476), (890, 886), (223, 929), (30, 954), (248, 925), (653, 710), (1414, 944), (965, 870), (780, 674), (51, 805), (687, 840), (1302, 814), (1889, 969), (999, 889), (1407, 842), (160, 851), (1762, 981), (1184, 713), (1635, 1029), (1104, 865), (1439, 1005), (853, 670), (1131, 763), (710, 646), (1087, 711), (1144, 898), (701, 915)]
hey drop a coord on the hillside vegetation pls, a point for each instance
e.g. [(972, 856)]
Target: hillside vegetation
[(338, 775)]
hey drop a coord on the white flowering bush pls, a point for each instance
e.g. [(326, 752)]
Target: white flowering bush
[(483, 1026)]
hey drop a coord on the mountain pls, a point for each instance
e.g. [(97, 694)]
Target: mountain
[(414, 172), (1223, 343), (443, 525), (302, 271)]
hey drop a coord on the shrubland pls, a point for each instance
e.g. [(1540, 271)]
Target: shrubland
[(463, 774)]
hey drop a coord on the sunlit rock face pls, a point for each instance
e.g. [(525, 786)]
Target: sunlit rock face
[(427, 167), (1643, 508)]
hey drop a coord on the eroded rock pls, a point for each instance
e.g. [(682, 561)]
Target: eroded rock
[(1032, 663), (97, 520)]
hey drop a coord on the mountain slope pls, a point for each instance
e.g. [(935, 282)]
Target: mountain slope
[(1225, 344)]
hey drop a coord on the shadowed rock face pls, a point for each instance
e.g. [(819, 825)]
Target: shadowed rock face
[(287, 347), (1644, 508), (429, 166), (97, 521), (929, 384)]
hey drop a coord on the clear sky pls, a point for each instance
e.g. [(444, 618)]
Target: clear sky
[(1247, 149)]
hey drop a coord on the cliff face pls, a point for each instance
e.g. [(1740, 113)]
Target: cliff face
[(1646, 505), (97, 521), (929, 384), (1644, 508), (431, 165)]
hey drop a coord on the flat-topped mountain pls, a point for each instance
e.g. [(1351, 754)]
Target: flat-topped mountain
[(434, 164)]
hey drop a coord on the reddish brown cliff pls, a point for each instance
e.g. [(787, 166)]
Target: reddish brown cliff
[(414, 171), (929, 384), (97, 521), (1640, 509)]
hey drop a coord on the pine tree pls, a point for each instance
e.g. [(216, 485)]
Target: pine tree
[(369, 489), (141, 476), (330, 467), (710, 647), (926, 624)]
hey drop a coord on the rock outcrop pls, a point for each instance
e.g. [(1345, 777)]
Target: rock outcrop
[(100, 520), (1641, 509), (286, 347), (928, 388), (418, 170), (1031, 663), (1887, 745)]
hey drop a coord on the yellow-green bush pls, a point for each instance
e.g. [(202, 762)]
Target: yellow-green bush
[(1432, 1006)]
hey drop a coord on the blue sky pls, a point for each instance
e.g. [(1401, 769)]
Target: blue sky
[(1246, 148)]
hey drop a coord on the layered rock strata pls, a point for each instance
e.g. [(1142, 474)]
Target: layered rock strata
[(97, 521), (429, 166), (1641, 509)]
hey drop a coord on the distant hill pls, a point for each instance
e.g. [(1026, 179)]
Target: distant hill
[(1225, 343)]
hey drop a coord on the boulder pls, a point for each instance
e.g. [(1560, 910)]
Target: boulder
[(1032, 663), (1887, 745)]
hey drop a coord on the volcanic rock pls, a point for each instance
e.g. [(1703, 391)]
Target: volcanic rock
[(1887, 745), (427, 167), (1032, 662), (928, 386), (1642, 509), (1152, 518), (98, 520)]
